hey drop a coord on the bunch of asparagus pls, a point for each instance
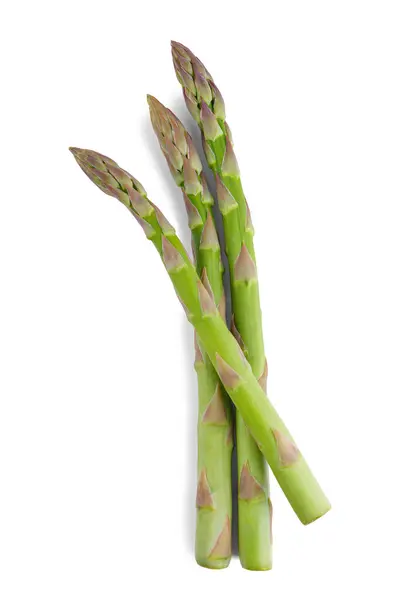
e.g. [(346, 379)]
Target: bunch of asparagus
[(229, 349)]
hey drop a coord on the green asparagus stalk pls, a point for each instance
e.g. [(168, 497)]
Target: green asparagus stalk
[(206, 105), (273, 438), (214, 426)]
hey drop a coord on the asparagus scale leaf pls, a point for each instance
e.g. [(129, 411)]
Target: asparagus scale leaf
[(214, 424), (285, 459)]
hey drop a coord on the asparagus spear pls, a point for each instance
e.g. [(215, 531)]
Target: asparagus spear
[(287, 463), (214, 426), (206, 105)]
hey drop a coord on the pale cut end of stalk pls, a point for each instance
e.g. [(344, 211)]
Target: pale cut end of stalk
[(229, 377), (249, 488), (287, 450), (204, 497), (215, 413)]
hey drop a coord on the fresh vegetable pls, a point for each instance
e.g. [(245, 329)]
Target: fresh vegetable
[(214, 428), (273, 438), (206, 105)]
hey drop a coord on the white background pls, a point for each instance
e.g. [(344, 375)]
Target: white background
[(98, 403)]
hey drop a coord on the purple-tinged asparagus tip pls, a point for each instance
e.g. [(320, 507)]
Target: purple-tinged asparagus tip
[(97, 167)]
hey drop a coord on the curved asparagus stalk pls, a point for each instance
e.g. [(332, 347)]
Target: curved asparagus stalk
[(287, 463), (206, 105), (214, 426)]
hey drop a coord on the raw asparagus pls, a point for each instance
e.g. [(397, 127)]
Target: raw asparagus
[(214, 427), (207, 106), (287, 463)]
